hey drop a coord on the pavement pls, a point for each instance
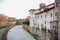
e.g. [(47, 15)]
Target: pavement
[(18, 33)]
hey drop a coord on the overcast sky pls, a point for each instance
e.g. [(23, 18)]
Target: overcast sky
[(20, 8)]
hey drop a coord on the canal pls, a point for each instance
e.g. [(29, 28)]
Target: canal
[(18, 33)]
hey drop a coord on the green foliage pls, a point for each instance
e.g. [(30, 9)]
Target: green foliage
[(43, 29), (26, 22), (34, 35), (49, 31)]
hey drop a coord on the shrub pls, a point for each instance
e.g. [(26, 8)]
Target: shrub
[(34, 35), (26, 22), (43, 29), (49, 31)]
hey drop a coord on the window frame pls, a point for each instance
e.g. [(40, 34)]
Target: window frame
[(51, 15)]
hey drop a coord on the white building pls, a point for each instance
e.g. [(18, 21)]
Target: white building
[(45, 17), (32, 18)]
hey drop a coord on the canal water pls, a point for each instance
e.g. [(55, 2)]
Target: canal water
[(18, 33)]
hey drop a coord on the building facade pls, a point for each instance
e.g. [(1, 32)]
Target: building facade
[(57, 8), (32, 18), (46, 19)]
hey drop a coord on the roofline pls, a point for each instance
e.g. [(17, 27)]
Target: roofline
[(47, 9), (44, 11), (48, 5)]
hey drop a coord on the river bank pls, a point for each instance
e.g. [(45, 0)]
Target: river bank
[(4, 31)]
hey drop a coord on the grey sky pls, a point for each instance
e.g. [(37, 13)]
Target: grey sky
[(20, 8)]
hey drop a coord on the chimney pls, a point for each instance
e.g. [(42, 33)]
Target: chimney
[(42, 5)]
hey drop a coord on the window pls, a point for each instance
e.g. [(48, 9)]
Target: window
[(38, 17), (58, 4), (38, 25), (45, 22), (32, 13), (33, 20), (34, 24), (45, 28), (51, 14), (56, 14), (45, 16), (42, 25), (41, 16)]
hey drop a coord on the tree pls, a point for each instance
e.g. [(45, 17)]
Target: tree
[(26, 22)]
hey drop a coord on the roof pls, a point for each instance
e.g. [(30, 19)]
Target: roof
[(46, 8), (48, 5), (32, 10)]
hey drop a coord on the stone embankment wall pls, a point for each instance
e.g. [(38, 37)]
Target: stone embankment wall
[(42, 34), (32, 30)]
